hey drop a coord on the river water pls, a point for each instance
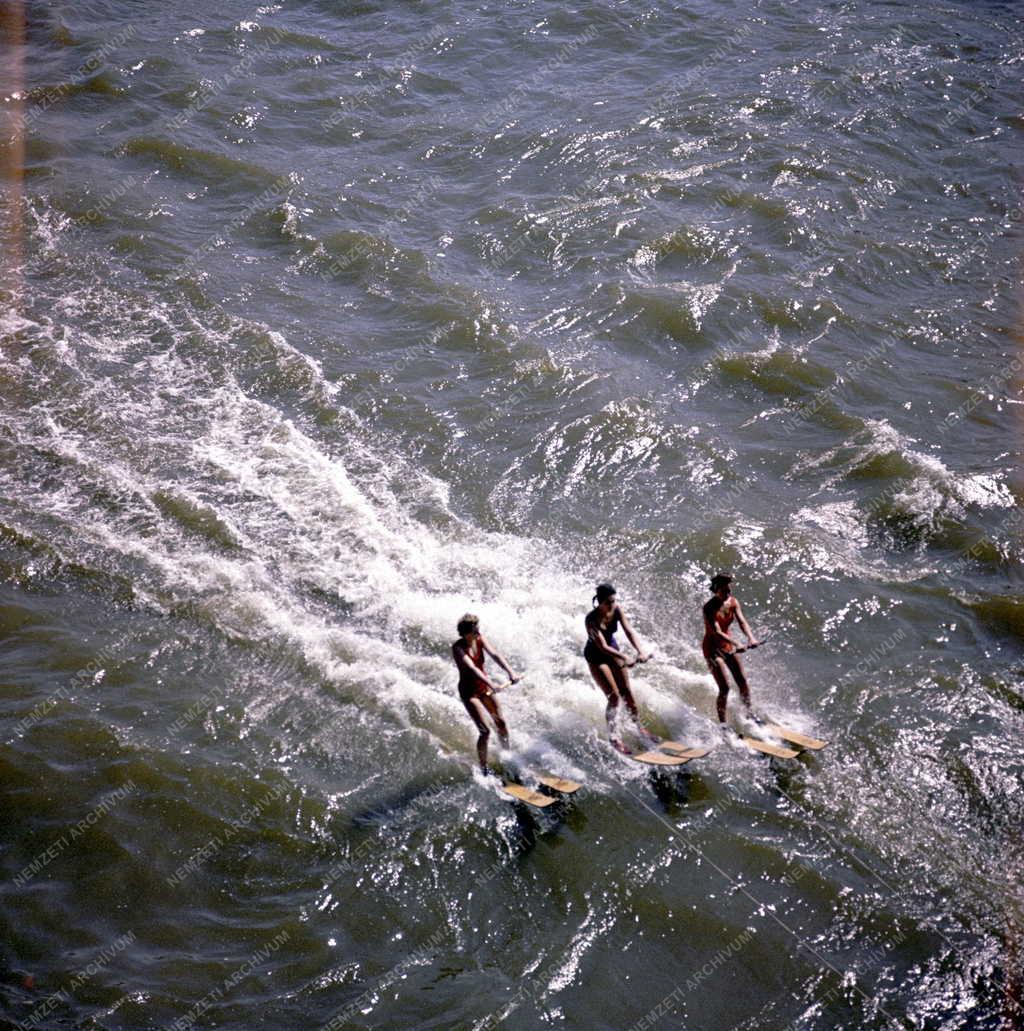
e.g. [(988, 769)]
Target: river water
[(326, 322)]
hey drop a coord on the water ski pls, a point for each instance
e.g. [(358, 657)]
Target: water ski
[(528, 795), (684, 751), (767, 748), (559, 784), (660, 758), (795, 737)]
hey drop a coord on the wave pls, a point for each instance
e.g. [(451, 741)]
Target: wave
[(913, 499)]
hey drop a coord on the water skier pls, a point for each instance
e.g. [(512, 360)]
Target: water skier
[(609, 665), (720, 650), (476, 689)]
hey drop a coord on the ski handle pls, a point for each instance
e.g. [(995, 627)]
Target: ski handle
[(750, 647), (652, 657), (508, 683)]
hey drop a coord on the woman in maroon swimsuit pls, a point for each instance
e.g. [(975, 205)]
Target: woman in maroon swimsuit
[(720, 650), (476, 689)]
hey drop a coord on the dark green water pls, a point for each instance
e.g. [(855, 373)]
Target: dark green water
[(326, 322)]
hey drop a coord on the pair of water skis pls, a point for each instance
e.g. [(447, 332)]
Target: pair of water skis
[(793, 737), (668, 753), (558, 786)]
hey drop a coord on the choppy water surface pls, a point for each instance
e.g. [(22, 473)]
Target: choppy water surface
[(326, 322)]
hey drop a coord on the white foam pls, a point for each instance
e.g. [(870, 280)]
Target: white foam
[(302, 515)]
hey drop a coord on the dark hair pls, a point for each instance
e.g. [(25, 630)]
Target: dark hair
[(604, 592), (720, 580), (468, 623)]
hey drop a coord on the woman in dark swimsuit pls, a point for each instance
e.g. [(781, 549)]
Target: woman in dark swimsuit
[(720, 650), (476, 689), (607, 663)]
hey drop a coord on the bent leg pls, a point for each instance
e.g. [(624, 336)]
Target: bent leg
[(717, 667), (490, 703), (603, 678), (622, 682), (621, 675), (736, 668), (476, 710)]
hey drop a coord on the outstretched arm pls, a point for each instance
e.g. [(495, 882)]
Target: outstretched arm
[(631, 637), (499, 660)]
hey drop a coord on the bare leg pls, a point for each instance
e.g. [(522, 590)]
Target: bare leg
[(606, 681), (718, 672), (475, 708), (736, 668), (490, 703), (626, 692)]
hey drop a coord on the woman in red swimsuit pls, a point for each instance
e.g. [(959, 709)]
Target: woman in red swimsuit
[(476, 689), (719, 648)]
